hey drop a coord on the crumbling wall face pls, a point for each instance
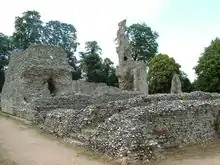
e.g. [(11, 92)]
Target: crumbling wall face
[(139, 132), (131, 74), (140, 77), (125, 79), (12, 88), (126, 64), (176, 87), (95, 110), (39, 71), (91, 88)]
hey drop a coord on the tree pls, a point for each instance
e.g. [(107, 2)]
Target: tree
[(208, 68), (63, 35), (107, 64), (28, 29), (161, 71), (6, 47), (187, 86), (112, 79), (96, 69), (109, 72), (91, 62), (92, 47), (143, 42)]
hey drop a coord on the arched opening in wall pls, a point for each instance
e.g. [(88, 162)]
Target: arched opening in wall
[(125, 58), (25, 99), (2, 79), (51, 86)]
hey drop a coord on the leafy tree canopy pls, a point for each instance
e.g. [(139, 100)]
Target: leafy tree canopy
[(143, 41), (91, 62), (187, 86), (96, 69), (6, 46), (28, 29), (208, 68), (161, 71), (63, 35)]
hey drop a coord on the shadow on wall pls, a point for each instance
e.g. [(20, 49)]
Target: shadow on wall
[(51, 86), (2, 79)]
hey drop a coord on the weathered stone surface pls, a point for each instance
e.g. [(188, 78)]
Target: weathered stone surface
[(44, 105), (131, 74), (41, 70), (60, 122), (87, 115), (94, 114), (122, 124), (137, 127), (138, 131), (91, 88), (140, 77), (108, 97), (176, 87)]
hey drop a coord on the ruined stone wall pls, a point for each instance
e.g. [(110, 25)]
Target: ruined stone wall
[(76, 102), (91, 88), (140, 77), (137, 127), (10, 92), (131, 74), (140, 132), (29, 73), (176, 87)]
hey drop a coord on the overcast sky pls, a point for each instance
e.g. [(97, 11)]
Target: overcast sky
[(185, 27)]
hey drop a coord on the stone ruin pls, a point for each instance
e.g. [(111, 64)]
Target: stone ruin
[(39, 71), (117, 123), (176, 85), (132, 75)]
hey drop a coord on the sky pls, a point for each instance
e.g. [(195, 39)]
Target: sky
[(185, 27)]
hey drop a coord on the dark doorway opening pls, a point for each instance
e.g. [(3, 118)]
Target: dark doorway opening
[(125, 58), (51, 86)]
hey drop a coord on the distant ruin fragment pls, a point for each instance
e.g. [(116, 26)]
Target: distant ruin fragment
[(40, 70), (176, 87), (131, 74)]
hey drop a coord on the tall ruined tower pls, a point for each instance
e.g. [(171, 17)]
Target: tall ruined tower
[(131, 74)]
